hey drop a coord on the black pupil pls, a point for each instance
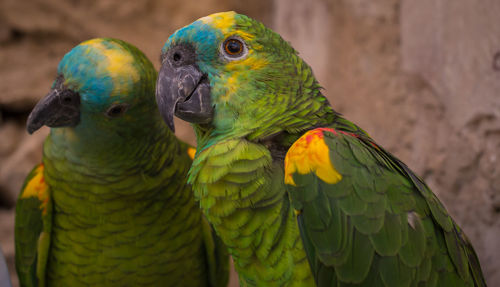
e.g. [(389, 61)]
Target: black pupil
[(115, 111), (177, 57), (233, 46)]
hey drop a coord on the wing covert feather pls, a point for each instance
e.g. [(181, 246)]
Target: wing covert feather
[(32, 229), (375, 221)]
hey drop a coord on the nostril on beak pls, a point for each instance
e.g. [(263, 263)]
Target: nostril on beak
[(177, 57)]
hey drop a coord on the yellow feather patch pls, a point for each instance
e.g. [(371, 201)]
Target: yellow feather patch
[(310, 154), (225, 22), (119, 64), (238, 69), (245, 36), (37, 187), (222, 21), (92, 42), (250, 62), (191, 152)]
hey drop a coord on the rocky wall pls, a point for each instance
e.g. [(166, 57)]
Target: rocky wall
[(422, 77)]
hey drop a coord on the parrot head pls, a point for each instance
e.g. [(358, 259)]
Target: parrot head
[(230, 75), (102, 86)]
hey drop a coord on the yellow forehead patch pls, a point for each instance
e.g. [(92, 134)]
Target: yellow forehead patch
[(310, 154), (92, 42), (37, 187), (222, 21), (225, 21), (120, 62)]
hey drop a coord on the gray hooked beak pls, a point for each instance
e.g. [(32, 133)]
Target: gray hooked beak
[(60, 108), (182, 89)]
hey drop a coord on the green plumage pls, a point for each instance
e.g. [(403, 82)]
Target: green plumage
[(300, 195), (119, 211), (244, 203), (398, 234)]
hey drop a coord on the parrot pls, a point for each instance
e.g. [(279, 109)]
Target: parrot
[(109, 205), (300, 195)]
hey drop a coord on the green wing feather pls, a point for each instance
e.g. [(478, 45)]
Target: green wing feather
[(379, 225), (32, 229)]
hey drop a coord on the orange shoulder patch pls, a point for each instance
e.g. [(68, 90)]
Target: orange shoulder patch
[(310, 154), (191, 152), (37, 187)]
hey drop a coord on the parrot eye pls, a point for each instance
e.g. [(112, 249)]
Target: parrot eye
[(116, 110), (234, 48)]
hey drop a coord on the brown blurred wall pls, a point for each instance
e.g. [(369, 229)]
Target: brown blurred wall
[(422, 77)]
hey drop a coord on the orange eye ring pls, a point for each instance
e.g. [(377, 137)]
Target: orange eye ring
[(233, 47)]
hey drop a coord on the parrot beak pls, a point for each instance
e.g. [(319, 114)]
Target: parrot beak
[(60, 108), (182, 89)]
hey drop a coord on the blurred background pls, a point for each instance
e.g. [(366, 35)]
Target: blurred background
[(422, 77)]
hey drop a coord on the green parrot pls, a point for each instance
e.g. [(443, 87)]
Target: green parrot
[(299, 195), (109, 205)]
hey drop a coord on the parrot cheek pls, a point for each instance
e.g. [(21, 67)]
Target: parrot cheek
[(57, 109)]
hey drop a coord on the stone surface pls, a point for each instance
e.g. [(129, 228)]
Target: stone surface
[(20, 162), (11, 135), (422, 77), (454, 47), (6, 240)]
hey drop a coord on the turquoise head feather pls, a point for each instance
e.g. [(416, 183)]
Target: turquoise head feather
[(238, 79), (103, 87)]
